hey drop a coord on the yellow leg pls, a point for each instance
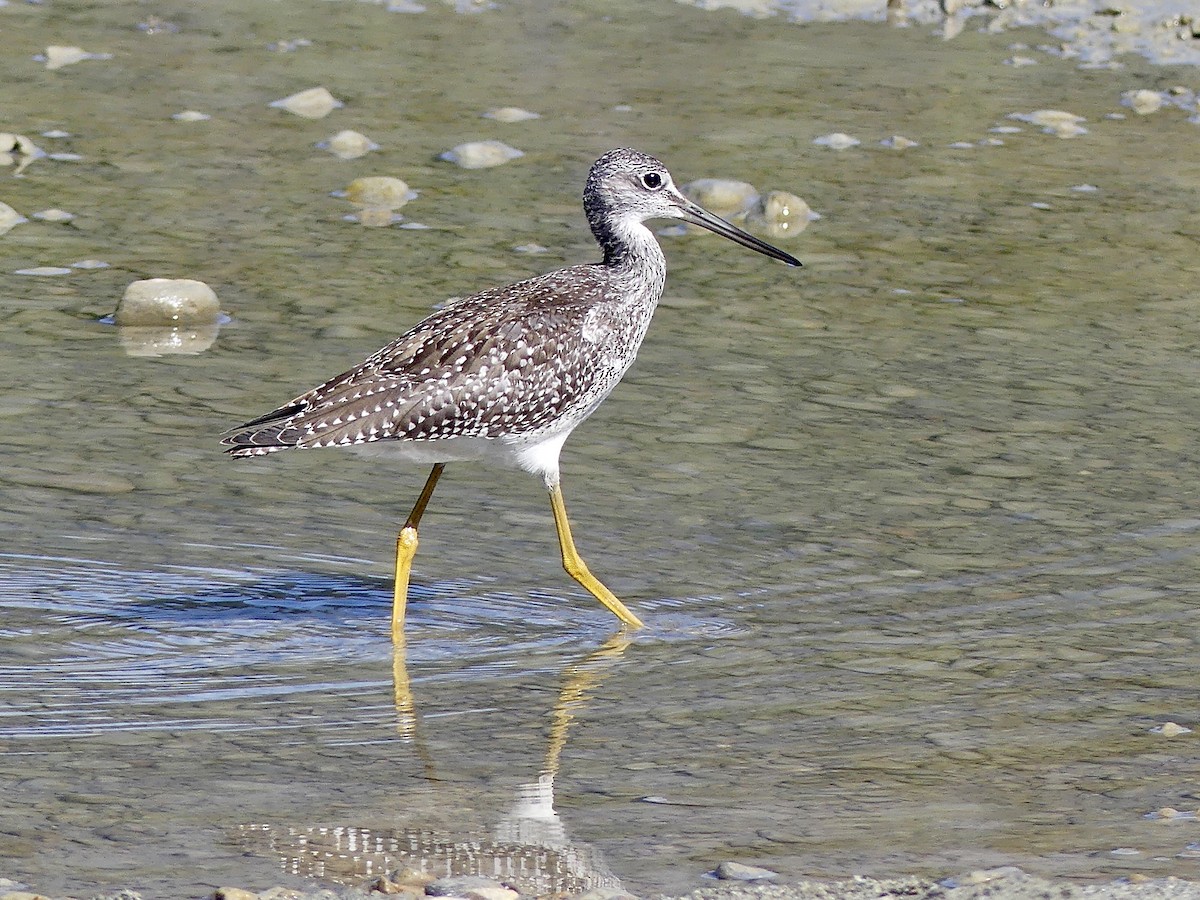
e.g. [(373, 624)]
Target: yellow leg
[(576, 567), (406, 549)]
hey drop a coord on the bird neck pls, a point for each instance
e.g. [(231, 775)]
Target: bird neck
[(630, 248)]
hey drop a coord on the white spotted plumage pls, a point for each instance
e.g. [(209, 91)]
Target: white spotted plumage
[(506, 374)]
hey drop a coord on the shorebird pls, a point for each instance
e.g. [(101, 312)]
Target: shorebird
[(504, 376)]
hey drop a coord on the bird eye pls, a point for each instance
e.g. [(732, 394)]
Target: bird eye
[(652, 180)]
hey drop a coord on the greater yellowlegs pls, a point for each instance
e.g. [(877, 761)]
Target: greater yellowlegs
[(505, 375)]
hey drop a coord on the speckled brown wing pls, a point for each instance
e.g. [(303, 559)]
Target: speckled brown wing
[(507, 361)]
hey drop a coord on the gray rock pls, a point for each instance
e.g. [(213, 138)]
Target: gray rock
[(735, 871), (461, 886)]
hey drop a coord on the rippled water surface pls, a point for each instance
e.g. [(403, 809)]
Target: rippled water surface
[(914, 528)]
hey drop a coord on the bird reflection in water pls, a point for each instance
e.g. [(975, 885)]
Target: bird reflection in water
[(528, 848)]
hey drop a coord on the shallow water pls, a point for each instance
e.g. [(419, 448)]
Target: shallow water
[(913, 528)]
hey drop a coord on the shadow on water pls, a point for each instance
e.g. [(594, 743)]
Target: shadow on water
[(195, 635), (104, 650)]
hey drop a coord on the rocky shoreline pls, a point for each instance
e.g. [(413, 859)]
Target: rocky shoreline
[(735, 882)]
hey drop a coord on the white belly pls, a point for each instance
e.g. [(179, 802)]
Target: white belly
[(536, 455)]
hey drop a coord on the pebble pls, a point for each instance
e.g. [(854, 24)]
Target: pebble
[(89, 264), (18, 145), (1142, 102), (495, 892), (54, 215), (1170, 729), (984, 876), (1170, 812), (19, 150), (510, 114), (898, 142), (168, 302), (837, 141), (464, 885), (481, 154), (9, 218), (1054, 121), (43, 270), (1020, 61), (735, 871), (55, 57), (314, 103), (348, 145), (288, 46), (191, 115)]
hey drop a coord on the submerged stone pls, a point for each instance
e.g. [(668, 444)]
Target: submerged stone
[(9, 218), (1142, 102), (382, 191), (736, 871), (348, 145), (44, 271), (1054, 121), (55, 57), (723, 196), (509, 114), (314, 103), (781, 214), (168, 302), (54, 215), (837, 141), (464, 885), (481, 154)]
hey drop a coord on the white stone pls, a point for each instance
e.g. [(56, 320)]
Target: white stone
[(1142, 102), (168, 302), (379, 192), (9, 218), (348, 145), (1054, 121), (723, 196), (837, 141), (44, 270), (54, 215), (509, 114), (481, 154), (56, 57), (314, 103)]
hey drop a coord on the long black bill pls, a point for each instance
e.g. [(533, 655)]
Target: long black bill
[(697, 215)]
